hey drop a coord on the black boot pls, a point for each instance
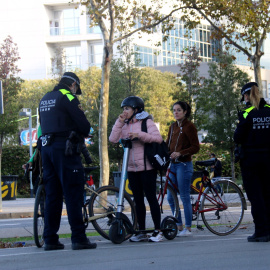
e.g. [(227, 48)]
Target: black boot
[(84, 245), (255, 238), (54, 246)]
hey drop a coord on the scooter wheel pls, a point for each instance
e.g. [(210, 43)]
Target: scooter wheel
[(115, 237), (169, 228)]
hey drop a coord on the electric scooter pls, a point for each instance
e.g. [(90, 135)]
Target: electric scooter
[(121, 224)]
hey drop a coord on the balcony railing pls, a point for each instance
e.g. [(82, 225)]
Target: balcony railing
[(93, 30), (57, 31)]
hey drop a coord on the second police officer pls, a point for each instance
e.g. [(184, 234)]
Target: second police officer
[(253, 133), (63, 175)]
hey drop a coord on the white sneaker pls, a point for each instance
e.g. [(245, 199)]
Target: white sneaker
[(139, 238), (157, 236), (178, 233), (185, 232)]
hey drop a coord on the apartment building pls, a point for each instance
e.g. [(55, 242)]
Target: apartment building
[(44, 29)]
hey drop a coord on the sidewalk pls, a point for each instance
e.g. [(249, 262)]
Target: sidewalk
[(22, 209), (19, 208)]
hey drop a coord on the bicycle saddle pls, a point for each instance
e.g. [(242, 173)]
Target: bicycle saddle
[(205, 163)]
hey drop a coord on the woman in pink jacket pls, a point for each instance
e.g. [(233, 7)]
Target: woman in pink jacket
[(142, 177)]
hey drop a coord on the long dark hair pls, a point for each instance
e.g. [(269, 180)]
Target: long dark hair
[(185, 107)]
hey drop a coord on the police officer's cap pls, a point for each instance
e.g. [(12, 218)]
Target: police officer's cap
[(246, 88), (73, 77)]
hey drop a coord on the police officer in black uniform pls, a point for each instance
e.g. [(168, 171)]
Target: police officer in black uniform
[(63, 174), (253, 133)]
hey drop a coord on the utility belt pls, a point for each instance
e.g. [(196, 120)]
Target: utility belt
[(48, 139), (75, 144), (241, 152), (253, 150)]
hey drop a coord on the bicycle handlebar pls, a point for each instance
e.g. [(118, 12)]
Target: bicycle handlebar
[(205, 163)]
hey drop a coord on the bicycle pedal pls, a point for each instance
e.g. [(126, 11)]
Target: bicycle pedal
[(199, 227)]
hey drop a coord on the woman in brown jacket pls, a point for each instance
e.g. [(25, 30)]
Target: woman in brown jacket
[(183, 143)]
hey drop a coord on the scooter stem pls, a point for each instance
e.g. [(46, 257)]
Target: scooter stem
[(127, 147)]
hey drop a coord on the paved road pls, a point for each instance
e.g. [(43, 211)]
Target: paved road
[(202, 251)]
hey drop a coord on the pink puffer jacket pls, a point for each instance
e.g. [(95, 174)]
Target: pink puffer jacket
[(136, 155)]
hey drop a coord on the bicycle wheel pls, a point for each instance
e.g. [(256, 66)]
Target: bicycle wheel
[(167, 207), (39, 216), (223, 206), (103, 206), (85, 216)]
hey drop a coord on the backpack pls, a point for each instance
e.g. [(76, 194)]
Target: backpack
[(157, 154)]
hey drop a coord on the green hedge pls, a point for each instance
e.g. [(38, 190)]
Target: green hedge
[(222, 155), (13, 157)]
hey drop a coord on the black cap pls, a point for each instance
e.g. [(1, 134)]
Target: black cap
[(74, 77), (246, 88)]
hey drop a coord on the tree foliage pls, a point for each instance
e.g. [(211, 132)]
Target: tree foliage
[(11, 83), (157, 88), (243, 23), (9, 70), (218, 100), (189, 71), (118, 20), (90, 85)]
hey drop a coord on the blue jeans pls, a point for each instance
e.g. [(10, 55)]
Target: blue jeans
[(184, 172)]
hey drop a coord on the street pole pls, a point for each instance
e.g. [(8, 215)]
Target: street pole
[(37, 120), (1, 112), (31, 150), (28, 112), (0, 182)]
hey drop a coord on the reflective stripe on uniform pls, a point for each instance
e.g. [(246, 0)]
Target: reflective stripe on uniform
[(67, 93), (248, 110)]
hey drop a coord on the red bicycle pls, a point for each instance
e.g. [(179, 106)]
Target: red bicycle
[(219, 202)]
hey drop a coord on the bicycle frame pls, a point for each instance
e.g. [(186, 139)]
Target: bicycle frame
[(196, 206), (206, 182), (220, 203)]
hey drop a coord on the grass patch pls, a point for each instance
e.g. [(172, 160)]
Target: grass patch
[(31, 238)]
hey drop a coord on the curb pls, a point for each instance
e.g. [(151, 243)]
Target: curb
[(22, 215), (16, 215)]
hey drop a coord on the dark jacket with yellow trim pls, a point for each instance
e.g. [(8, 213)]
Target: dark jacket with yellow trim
[(253, 130), (188, 143), (60, 113)]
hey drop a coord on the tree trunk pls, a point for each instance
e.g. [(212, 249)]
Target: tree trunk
[(257, 70), (103, 116)]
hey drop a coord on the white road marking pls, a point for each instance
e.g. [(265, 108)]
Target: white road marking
[(123, 246)]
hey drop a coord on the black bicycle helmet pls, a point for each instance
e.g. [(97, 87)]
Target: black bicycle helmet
[(133, 102)]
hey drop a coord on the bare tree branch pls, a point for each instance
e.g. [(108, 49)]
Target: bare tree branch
[(224, 33), (151, 25)]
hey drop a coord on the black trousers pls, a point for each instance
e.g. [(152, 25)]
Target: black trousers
[(62, 176), (141, 183), (256, 180)]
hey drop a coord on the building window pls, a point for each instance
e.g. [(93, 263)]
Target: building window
[(65, 22), (92, 29), (145, 56), (96, 54), (180, 38), (73, 57), (71, 21)]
